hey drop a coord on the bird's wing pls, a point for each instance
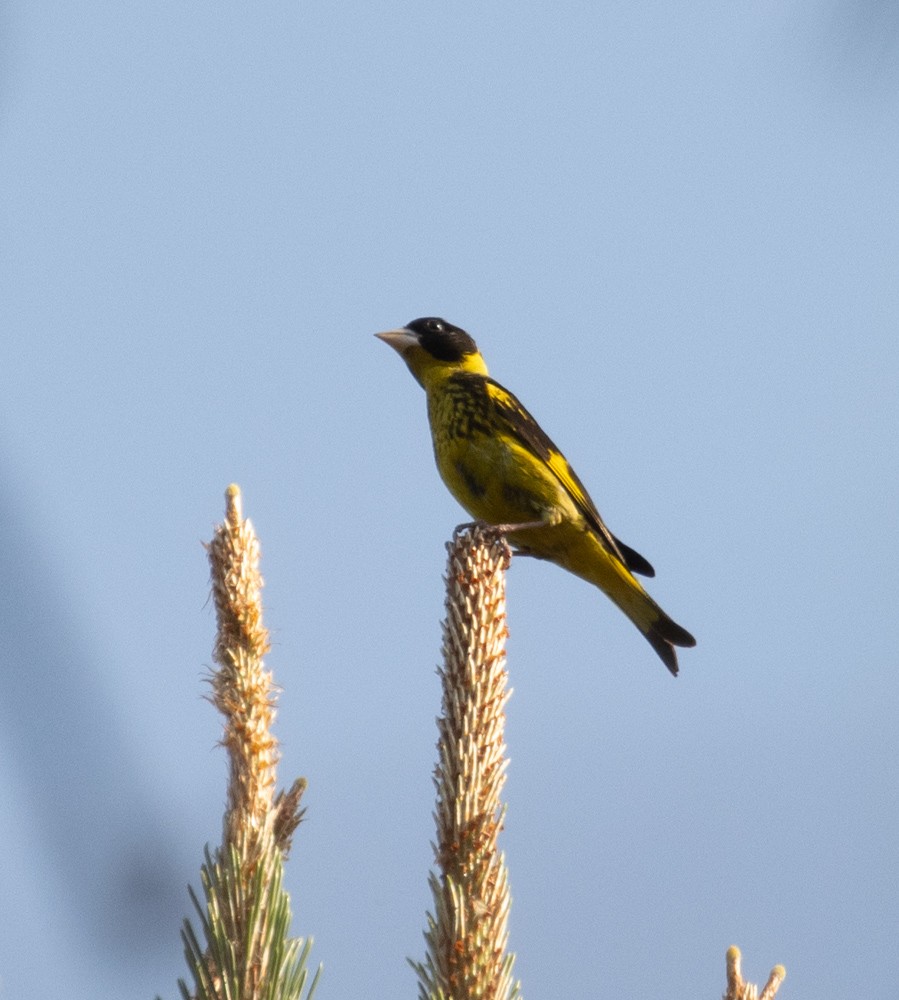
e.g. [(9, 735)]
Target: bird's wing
[(521, 426), (633, 560)]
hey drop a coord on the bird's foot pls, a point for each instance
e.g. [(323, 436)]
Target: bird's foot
[(468, 526), (505, 529)]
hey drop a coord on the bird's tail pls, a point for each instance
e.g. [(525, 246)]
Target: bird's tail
[(588, 556), (663, 635), (619, 583)]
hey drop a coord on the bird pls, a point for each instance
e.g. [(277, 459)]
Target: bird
[(500, 465)]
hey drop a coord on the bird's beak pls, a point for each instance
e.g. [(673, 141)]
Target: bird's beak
[(400, 340)]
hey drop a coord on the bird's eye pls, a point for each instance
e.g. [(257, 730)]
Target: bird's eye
[(435, 326)]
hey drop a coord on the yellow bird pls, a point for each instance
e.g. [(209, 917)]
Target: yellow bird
[(500, 465)]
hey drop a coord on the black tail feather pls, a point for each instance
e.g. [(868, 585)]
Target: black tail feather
[(664, 635), (633, 560), (665, 650)]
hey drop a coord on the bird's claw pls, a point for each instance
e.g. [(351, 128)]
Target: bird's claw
[(501, 529)]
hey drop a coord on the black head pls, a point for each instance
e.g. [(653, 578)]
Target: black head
[(442, 340)]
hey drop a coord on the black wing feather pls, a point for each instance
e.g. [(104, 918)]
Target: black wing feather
[(521, 425)]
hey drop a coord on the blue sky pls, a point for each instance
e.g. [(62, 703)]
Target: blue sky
[(673, 233)]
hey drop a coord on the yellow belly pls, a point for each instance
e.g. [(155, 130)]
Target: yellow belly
[(500, 482)]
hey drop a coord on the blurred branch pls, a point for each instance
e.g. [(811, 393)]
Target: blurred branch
[(244, 950), (737, 989), (468, 933)]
